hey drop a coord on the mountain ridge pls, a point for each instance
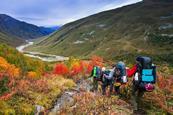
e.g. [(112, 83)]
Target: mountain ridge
[(22, 29), (137, 29)]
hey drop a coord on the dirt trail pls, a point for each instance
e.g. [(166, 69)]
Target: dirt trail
[(67, 99)]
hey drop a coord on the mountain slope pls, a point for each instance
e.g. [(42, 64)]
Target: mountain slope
[(10, 40), (21, 29), (142, 28)]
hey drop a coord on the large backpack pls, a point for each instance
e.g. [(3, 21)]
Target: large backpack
[(146, 73), (96, 72), (120, 72)]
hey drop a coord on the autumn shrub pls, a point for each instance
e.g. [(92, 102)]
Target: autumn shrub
[(22, 87), (25, 63), (162, 96), (83, 67), (8, 69), (76, 69), (3, 85), (6, 109), (32, 75), (61, 69), (91, 103), (95, 61), (41, 86), (9, 74)]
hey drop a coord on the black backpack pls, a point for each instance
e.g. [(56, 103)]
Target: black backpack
[(147, 73)]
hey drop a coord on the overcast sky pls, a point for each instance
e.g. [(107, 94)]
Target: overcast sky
[(57, 12)]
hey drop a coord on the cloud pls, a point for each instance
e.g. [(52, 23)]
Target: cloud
[(57, 12)]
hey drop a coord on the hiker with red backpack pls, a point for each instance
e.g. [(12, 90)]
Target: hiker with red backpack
[(144, 79)]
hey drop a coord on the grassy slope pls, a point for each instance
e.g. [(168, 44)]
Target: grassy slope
[(10, 40), (114, 34)]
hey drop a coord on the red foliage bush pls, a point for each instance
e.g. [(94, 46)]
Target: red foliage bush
[(61, 69), (76, 69)]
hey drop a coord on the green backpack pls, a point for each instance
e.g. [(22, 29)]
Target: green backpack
[(96, 72)]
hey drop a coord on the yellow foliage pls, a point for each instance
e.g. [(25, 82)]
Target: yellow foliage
[(26, 109), (69, 84), (5, 109)]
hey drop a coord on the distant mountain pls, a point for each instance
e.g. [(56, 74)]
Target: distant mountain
[(20, 29), (49, 30), (144, 28)]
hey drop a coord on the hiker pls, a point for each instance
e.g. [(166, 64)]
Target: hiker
[(120, 76), (96, 76), (144, 79), (107, 80)]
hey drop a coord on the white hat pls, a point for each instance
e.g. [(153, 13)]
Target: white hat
[(103, 68)]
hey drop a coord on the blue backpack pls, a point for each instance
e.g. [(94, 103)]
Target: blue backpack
[(147, 72), (148, 76)]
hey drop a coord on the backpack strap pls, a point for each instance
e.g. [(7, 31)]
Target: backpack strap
[(95, 72)]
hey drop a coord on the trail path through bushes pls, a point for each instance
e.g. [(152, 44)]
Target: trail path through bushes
[(67, 100)]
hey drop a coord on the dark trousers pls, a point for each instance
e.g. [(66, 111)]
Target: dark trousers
[(137, 94), (95, 84), (106, 83), (117, 89)]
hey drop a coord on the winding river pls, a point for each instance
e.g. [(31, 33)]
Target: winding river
[(38, 55)]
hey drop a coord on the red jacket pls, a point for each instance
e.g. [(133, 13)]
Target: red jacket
[(132, 71)]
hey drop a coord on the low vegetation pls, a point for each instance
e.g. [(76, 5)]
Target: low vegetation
[(26, 83), (23, 88)]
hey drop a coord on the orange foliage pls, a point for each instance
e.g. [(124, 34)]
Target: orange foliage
[(22, 86), (8, 69), (76, 69), (13, 71), (95, 61), (85, 65), (77, 66), (61, 69), (31, 75), (90, 67)]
